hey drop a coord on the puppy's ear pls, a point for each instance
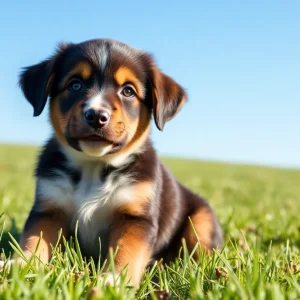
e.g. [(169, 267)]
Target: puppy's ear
[(36, 81), (168, 98)]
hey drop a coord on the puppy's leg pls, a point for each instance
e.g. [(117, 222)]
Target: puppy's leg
[(202, 227), (133, 239), (46, 224)]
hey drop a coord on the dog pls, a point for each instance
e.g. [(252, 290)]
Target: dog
[(100, 169)]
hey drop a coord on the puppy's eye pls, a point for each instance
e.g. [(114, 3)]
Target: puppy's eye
[(75, 85), (128, 92)]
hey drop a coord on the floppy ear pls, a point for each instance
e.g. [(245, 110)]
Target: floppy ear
[(168, 98), (36, 80), (36, 84)]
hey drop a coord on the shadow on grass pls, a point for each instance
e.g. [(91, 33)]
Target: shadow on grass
[(5, 238)]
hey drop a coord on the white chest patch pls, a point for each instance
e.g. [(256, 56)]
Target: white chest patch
[(91, 202)]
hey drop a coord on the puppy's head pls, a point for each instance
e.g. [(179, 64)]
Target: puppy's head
[(102, 94)]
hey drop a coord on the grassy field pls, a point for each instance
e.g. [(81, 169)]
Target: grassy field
[(258, 208)]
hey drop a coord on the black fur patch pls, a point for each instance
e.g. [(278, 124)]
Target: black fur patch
[(51, 160)]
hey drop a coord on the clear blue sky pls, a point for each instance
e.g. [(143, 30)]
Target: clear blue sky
[(238, 60)]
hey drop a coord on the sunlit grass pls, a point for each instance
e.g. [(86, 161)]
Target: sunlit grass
[(259, 211)]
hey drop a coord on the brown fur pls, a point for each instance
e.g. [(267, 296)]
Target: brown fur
[(123, 75), (59, 122), (83, 70), (141, 196), (199, 229), (152, 223), (42, 233), (141, 130), (130, 238)]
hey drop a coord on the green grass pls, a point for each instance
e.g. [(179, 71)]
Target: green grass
[(258, 208)]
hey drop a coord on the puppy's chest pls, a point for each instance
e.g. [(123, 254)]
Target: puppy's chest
[(93, 205), (91, 193), (95, 201), (92, 202)]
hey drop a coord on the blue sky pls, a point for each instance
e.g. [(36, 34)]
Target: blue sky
[(239, 62)]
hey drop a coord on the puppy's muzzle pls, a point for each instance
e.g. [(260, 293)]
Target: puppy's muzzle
[(97, 118)]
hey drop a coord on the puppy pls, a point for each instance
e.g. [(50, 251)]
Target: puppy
[(99, 167)]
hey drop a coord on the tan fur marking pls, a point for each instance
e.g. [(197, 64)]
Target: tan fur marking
[(130, 238), (202, 221), (133, 251), (49, 226), (82, 69), (124, 74), (59, 123), (118, 119), (141, 129), (142, 194)]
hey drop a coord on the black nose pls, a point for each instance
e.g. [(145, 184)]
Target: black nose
[(97, 118)]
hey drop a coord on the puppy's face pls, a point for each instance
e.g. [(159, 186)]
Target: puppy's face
[(99, 100), (102, 94)]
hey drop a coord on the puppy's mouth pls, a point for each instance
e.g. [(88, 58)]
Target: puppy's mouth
[(95, 143), (98, 141), (95, 138)]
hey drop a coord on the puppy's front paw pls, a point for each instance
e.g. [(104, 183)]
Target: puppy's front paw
[(111, 279), (19, 261), (6, 263)]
